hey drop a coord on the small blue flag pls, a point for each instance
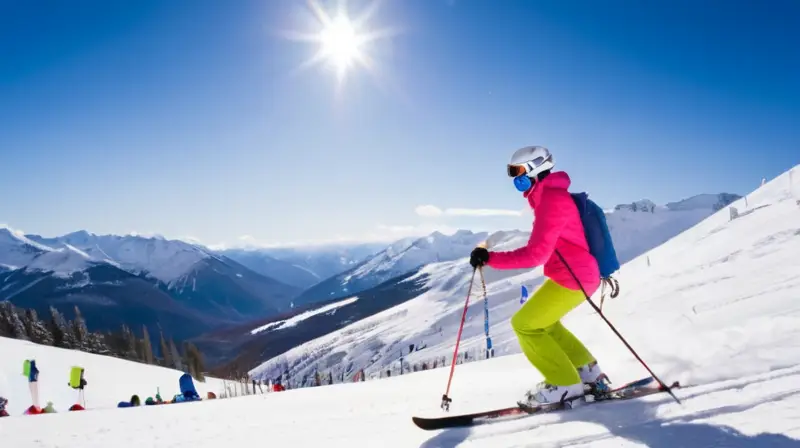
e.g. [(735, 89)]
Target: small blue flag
[(524, 294)]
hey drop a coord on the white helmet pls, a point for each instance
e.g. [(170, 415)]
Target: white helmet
[(530, 160)]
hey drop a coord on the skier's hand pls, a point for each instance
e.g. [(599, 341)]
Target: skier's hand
[(478, 257)]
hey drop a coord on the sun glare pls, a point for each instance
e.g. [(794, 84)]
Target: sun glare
[(343, 42), (340, 43)]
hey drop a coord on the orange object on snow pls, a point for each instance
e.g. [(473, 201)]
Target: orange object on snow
[(277, 387)]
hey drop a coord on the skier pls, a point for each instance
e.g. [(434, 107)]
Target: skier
[(560, 357)]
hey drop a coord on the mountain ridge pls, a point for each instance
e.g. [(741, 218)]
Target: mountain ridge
[(203, 290)]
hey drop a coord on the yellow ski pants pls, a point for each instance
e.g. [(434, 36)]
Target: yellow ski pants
[(547, 344)]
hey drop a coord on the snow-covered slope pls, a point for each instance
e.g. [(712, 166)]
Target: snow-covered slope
[(397, 259), (294, 320), (109, 381), (719, 295), (750, 411)]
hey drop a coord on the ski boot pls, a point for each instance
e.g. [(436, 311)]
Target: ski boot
[(595, 382), (547, 395)]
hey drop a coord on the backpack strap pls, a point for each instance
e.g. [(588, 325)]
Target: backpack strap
[(613, 284)]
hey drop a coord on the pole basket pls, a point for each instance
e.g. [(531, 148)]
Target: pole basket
[(446, 402)]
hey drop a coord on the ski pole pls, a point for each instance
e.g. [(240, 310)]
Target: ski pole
[(446, 400), (614, 329), (489, 348)]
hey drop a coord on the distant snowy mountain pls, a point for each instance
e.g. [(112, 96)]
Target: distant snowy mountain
[(642, 225), (326, 261), (712, 202), (164, 260), (108, 297), (692, 285), (137, 278), (263, 263), (397, 259)]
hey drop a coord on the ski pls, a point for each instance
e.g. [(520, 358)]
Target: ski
[(635, 389)]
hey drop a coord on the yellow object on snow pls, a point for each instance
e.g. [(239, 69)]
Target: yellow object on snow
[(75, 376)]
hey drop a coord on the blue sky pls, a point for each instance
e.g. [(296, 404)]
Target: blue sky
[(191, 118)]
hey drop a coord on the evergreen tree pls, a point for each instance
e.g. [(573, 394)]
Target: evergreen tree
[(96, 343), (54, 328), (166, 354), (129, 344), (115, 341), (147, 347), (5, 321), (14, 324), (79, 331), (194, 361), (188, 361), (177, 361), (37, 330), (60, 329)]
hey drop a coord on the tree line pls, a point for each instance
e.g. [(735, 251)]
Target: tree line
[(57, 331)]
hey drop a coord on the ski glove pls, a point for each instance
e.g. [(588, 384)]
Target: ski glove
[(478, 257)]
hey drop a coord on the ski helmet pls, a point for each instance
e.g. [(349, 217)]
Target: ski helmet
[(527, 163)]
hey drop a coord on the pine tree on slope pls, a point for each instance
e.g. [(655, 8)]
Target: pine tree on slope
[(166, 354), (37, 330), (176, 357), (80, 331), (147, 347)]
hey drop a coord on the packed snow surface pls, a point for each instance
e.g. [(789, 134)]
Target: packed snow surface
[(109, 381), (294, 320), (761, 410)]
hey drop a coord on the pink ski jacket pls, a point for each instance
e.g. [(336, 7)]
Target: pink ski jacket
[(556, 225)]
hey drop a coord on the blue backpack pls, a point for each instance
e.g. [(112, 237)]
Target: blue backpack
[(599, 240)]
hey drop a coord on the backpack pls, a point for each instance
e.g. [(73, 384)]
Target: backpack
[(598, 237)]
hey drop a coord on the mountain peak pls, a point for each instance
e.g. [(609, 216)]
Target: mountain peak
[(704, 201), (642, 205)]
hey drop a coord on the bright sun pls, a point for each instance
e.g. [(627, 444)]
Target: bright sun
[(343, 42), (340, 43)]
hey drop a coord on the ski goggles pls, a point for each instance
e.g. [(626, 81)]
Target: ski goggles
[(517, 170)]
